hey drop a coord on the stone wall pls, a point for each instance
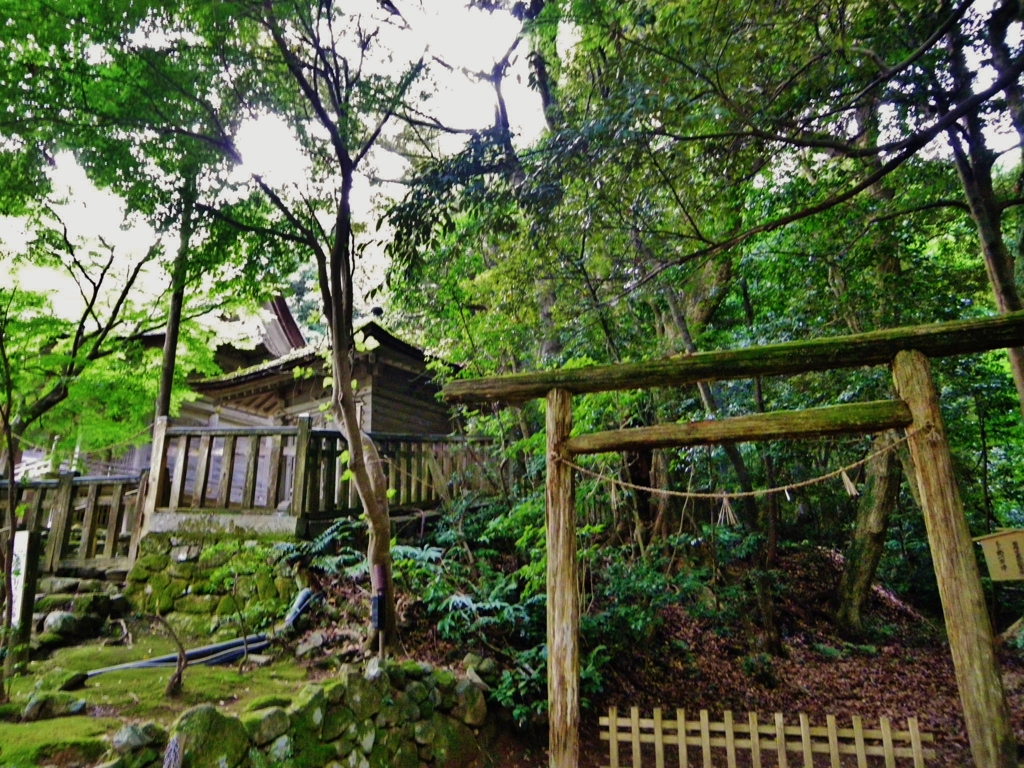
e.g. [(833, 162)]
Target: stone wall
[(208, 586), (406, 715)]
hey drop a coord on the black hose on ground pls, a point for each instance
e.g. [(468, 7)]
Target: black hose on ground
[(222, 653)]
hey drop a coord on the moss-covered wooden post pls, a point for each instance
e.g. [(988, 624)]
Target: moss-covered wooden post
[(963, 604), (563, 610)]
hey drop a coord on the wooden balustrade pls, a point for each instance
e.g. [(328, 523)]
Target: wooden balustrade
[(84, 521), (248, 476)]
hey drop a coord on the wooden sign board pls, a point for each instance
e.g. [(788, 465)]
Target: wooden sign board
[(1004, 553)]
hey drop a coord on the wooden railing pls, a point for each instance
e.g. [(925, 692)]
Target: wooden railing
[(686, 739), (84, 522), (247, 476)]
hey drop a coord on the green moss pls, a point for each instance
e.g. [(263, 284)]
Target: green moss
[(265, 586), (55, 603), (285, 588), (153, 563), (202, 605), (270, 700), (76, 740), (227, 606)]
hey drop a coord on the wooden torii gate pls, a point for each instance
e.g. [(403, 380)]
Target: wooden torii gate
[(986, 714)]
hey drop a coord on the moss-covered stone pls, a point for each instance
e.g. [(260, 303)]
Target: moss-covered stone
[(227, 606), (412, 670), (265, 588), (336, 722), (49, 704), (59, 602), (154, 563), (185, 571), (454, 744), (95, 603), (201, 605), (471, 707), (47, 641), (265, 725), (417, 691), (208, 739), (155, 544), (263, 702), (365, 697), (286, 589), (406, 756), (307, 711), (61, 680), (445, 679), (336, 690)]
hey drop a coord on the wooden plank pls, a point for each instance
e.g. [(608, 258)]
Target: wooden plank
[(404, 474), (659, 740), (202, 479), (180, 473), (115, 519), (613, 742), (858, 735), (60, 524), (854, 418), (874, 348), (915, 742), (780, 740), (833, 740), (730, 739), (314, 498), (227, 471), (251, 465), (214, 432), (33, 517), (705, 737), (634, 725), (890, 756), (755, 740), (274, 471), (563, 610), (986, 714), (155, 483), (805, 739), (330, 469), (302, 438), (86, 547), (684, 758)]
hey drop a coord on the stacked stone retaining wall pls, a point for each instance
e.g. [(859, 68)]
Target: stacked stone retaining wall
[(405, 715), (209, 586)]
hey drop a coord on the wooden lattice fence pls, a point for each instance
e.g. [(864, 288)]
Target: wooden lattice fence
[(767, 744)]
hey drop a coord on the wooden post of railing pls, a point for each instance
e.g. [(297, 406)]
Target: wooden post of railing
[(155, 488), (563, 611), (60, 521), (298, 508), (986, 714), (33, 551)]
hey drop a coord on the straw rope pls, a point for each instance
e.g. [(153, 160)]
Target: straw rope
[(723, 495)]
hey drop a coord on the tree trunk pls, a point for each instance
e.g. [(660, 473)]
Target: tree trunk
[(876, 504), (179, 271), (338, 294), (974, 166)]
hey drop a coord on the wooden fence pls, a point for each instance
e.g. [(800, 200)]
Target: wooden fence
[(291, 479), (83, 522), (775, 738)]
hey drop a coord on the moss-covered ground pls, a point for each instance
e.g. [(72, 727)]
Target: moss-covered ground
[(76, 740), (130, 695)]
